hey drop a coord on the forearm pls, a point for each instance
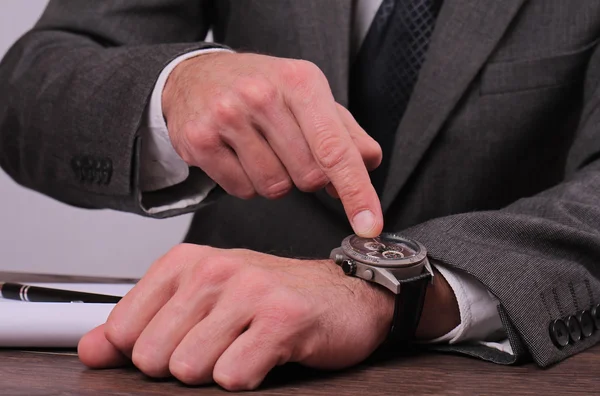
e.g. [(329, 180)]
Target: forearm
[(75, 89), (538, 257)]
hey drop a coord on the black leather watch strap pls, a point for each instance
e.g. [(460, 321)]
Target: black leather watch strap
[(408, 308)]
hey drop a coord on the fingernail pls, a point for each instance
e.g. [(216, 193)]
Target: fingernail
[(363, 222)]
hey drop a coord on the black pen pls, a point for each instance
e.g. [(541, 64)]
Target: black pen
[(16, 291)]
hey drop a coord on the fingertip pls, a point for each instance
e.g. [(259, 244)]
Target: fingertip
[(366, 224), (96, 352)]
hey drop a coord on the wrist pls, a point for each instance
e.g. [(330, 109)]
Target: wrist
[(441, 313), (439, 316), (171, 90), (377, 302), (180, 77)]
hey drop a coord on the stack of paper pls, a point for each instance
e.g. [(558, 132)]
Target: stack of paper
[(56, 325)]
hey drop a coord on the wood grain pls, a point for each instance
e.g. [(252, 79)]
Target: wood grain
[(29, 373)]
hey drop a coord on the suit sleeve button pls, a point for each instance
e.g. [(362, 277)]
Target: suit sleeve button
[(559, 333), (586, 322), (574, 328)]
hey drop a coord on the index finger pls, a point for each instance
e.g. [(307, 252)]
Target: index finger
[(311, 101)]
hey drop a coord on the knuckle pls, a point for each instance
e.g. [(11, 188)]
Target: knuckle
[(258, 93), (277, 189), (345, 112), (202, 141), (372, 148), (372, 155), (179, 305), (225, 111), (179, 250), (300, 73), (376, 161), (213, 270), (312, 181), (180, 254), (186, 373), (330, 151), (309, 69), (234, 383), (245, 191), (377, 151), (147, 363), (120, 338)]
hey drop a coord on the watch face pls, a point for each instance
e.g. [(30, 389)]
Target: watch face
[(388, 250), (383, 247)]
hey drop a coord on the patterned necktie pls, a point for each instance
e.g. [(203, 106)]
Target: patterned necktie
[(386, 68)]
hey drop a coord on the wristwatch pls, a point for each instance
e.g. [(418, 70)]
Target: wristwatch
[(396, 263)]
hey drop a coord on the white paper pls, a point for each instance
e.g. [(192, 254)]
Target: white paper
[(54, 325)]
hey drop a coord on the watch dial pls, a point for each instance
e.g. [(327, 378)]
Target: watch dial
[(382, 247)]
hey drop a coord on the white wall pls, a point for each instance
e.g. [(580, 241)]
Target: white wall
[(38, 234)]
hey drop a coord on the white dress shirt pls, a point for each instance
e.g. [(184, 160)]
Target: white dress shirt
[(162, 167)]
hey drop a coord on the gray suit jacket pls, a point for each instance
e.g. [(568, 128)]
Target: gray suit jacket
[(495, 169)]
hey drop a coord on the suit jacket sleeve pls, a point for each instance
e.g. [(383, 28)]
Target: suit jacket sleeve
[(75, 89), (540, 256)]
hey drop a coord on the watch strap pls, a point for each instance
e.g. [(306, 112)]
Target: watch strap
[(408, 308)]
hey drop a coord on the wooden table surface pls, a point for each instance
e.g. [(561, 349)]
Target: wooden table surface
[(32, 373)]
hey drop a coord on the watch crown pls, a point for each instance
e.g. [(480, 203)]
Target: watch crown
[(349, 267)]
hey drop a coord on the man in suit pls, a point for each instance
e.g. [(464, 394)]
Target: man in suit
[(486, 115)]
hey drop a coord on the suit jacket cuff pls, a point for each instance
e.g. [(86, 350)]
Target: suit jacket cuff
[(490, 247)]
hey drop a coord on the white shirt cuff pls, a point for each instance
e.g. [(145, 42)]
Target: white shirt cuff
[(160, 165), (479, 318)]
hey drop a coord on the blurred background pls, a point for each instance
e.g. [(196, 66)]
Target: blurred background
[(38, 234)]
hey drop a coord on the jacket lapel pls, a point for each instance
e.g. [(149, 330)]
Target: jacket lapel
[(465, 35)]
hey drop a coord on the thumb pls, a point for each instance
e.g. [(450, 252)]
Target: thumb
[(95, 351)]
